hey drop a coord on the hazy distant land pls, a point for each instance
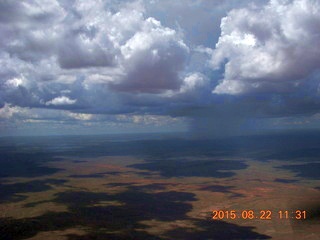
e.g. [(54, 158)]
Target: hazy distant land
[(132, 187)]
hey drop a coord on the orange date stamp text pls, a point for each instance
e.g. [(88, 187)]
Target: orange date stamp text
[(259, 214)]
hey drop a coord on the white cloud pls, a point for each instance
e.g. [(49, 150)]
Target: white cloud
[(89, 50), (8, 111), (153, 58), (145, 58), (63, 100), (193, 81), (81, 116), (270, 48), (14, 82), (148, 119)]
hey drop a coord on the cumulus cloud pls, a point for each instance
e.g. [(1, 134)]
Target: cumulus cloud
[(14, 82), (81, 116), (88, 50), (193, 81), (63, 100), (149, 54), (153, 58), (85, 38), (75, 53), (271, 48), (140, 62), (147, 119), (7, 111)]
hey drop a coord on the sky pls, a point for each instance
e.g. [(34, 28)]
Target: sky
[(218, 67)]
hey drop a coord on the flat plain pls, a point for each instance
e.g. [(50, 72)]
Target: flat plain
[(125, 187)]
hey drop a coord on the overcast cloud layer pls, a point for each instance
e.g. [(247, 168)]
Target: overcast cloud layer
[(218, 63)]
